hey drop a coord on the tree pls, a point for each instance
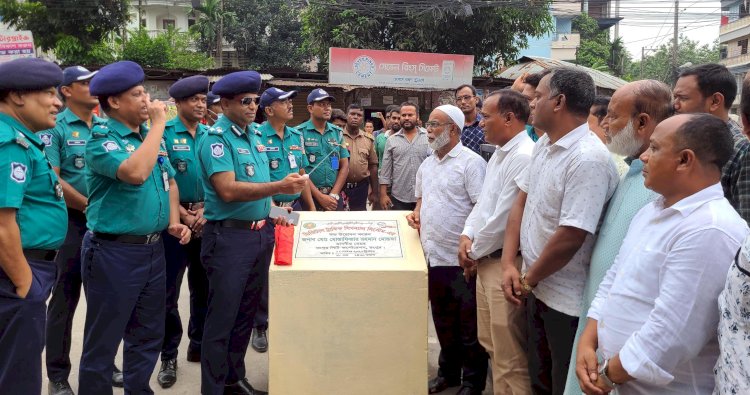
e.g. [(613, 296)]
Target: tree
[(212, 20), (270, 37), (76, 29), (492, 34), (169, 50), (596, 50), (658, 65)]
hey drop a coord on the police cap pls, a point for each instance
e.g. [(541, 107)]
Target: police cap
[(28, 74), (116, 78), (238, 82), (187, 87)]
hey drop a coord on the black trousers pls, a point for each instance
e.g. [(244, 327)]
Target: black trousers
[(454, 311), (399, 205), (179, 258), (65, 297), (551, 335), (358, 195)]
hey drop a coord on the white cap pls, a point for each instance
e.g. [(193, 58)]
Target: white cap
[(455, 114)]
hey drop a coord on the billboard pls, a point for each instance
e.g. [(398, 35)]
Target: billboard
[(16, 44), (368, 67)]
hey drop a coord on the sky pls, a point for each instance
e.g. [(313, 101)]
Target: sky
[(650, 23)]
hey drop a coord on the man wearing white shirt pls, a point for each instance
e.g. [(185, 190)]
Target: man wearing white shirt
[(448, 184), (501, 325), (570, 179), (653, 321)]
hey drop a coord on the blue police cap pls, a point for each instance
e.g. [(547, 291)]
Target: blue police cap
[(273, 94), (116, 78), (318, 95), (187, 87), (212, 98), (29, 74), (76, 73), (238, 82)]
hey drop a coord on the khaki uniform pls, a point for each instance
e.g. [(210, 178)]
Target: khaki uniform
[(362, 155)]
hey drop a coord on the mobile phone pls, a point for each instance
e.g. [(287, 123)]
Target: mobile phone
[(292, 218), (375, 115)]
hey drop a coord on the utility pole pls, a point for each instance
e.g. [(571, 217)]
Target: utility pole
[(676, 39), (220, 39), (617, 15), (643, 57)]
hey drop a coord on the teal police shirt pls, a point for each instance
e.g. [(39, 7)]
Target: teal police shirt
[(183, 155), (65, 146), (319, 149), (30, 186), (115, 206), (226, 147), (285, 156)]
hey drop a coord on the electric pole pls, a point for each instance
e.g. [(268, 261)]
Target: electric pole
[(676, 39), (643, 57)]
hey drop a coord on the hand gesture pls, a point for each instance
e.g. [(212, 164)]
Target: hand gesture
[(157, 111), (292, 184), (385, 202), (180, 231)]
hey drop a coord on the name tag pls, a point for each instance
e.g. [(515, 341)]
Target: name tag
[(311, 143), (243, 151), (272, 149), (77, 142), (180, 148)]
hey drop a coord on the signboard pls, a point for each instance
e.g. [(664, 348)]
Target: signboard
[(367, 67), (348, 239), (16, 44)]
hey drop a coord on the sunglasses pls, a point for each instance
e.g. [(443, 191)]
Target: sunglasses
[(245, 101)]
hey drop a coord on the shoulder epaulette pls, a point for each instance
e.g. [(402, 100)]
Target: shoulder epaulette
[(22, 141), (216, 130), (99, 130)]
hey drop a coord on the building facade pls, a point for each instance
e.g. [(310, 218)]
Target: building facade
[(733, 39)]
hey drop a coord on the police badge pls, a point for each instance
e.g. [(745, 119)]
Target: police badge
[(58, 191), (311, 158), (250, 170), (79, 162), (181, 166), (275, 164)]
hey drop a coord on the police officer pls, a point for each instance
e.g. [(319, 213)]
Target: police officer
[(132, 198), (363, 163), (32, 219), (324, 143), (180, 136), (214, 111), (286, 155), (236, 251), (65, 145)]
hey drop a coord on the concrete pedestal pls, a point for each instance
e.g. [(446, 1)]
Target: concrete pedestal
[(349, 316)]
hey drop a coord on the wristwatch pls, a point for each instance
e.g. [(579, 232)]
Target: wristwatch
[(603, 368), (524, 284), (334, 195)]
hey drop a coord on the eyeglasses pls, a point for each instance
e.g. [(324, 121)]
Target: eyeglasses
[(464, 98), (434, 124), (245, 101)]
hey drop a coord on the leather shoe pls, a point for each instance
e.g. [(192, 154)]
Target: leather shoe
[(467, 390), (59, 388), (242, 387), (193, 354), (260, 340), (117, 378), (440, 384), (168, 373)]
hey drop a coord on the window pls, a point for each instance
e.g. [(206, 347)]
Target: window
[(143, 22), (167, 24), (742, 44), (191, 22)]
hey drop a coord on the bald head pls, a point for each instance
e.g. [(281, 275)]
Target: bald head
[(633, 113)]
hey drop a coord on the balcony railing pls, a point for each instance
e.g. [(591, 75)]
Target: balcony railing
[(736, 60), (566, 40), (736, 25)]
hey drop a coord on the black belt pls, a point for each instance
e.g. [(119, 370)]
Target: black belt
[(352, 185), (130, 239), (239, 224), (286, 204), (40, 255), (497, 254), (325, 190)]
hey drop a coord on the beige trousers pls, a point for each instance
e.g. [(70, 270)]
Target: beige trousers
[(502, 331)]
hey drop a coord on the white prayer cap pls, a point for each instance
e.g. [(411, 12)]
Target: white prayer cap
[(454, 113)]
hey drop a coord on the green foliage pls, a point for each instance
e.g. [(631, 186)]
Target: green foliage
[(596, 50), (76, 29), (212, 18), (658, 65), (491, 34), (270, 37), (169, 50)]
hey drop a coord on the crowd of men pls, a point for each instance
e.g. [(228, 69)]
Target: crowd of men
[(575, 243)]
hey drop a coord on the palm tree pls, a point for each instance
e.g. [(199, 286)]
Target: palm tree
[(212, 20)]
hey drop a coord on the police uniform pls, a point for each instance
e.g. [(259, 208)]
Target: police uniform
[(183, 155), (65, 146), (327, 147), (123, 255), (30, 186), (362, 150), (235, 251)]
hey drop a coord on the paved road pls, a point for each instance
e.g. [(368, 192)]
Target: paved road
[(188, 379)]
